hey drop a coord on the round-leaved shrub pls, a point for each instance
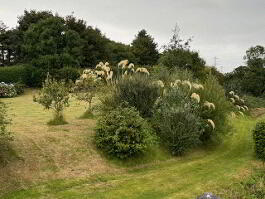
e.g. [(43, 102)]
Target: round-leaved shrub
[(123, 133)]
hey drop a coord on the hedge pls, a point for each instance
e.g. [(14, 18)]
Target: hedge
[(33, 77)]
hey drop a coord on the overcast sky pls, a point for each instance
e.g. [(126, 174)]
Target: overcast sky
[(220, 28)]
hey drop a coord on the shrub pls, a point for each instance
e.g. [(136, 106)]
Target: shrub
[(254, 102), (13, 74), (213, 92), (19, 87), (170, 75), (177, 121), (123, 133), (67, 74), (5, 135), (7, 90), (138, 91), (34, 76), (54, 95), (259, 140), (85, 90)]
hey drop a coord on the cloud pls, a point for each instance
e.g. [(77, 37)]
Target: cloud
[(221, 28)]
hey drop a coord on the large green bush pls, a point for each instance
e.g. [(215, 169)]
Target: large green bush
[(138, 91), (123, 133), (177, 121), (259, 140)]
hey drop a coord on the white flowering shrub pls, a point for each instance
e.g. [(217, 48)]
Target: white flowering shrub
[(7, 90), (239, 103), (86, 87), (214, 109)]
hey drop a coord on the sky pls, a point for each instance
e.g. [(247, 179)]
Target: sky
[(224, 29)]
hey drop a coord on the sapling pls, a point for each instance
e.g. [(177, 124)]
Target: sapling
[(54, 95)]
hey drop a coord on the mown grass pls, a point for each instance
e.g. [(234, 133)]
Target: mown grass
[(156, 175)]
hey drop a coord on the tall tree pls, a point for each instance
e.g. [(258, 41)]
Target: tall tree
[(145, 49), (255, 56), (178, 54), (3, 28), (49, 44)]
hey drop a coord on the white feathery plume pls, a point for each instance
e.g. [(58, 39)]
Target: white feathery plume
[(196, 97), (211, 123)]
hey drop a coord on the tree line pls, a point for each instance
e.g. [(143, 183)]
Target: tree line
[(48, 40)]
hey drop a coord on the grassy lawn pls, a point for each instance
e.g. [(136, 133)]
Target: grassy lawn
[(62, 162)]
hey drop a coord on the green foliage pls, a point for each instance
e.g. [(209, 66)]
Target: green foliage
[(54, 95), (19, 87), (185, 59), (48, 44), (5, 135), (13, 74), (177, 54), (120, 51), (213, 92), (255, 56), (259, 140), (167, 75), (254, 102), (68, 74), (138, 91), (123, 133), (33, 77), (177, 121), (145, 49), (248, 80), (85, 90)]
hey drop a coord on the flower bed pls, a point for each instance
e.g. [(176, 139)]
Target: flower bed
[(7, 90)]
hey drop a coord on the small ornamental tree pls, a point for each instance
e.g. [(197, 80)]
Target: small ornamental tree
[(85, 90), (54, 95)]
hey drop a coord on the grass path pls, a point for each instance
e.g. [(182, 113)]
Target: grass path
[(61, 162)]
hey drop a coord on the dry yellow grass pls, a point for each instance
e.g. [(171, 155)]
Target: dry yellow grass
[(49, 152)]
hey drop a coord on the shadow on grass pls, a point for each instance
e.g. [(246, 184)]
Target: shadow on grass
[(57, 120), (7, 154), (87, 115)]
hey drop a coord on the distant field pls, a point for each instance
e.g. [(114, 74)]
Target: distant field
[(62, 162)]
